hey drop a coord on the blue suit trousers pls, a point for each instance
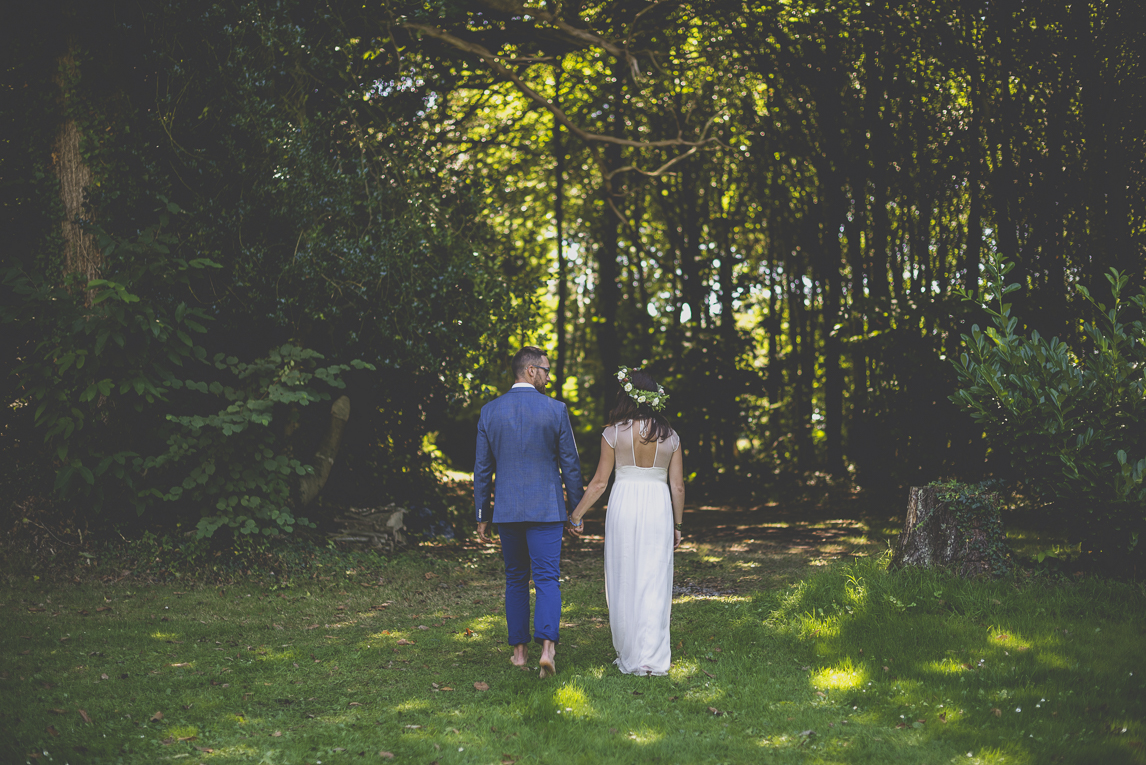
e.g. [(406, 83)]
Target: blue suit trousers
[(532, 549)]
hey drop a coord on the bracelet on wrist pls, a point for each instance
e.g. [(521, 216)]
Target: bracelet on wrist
[(678, 526)]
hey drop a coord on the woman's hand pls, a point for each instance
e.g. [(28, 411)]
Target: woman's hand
[(676, 537), (576, 527)]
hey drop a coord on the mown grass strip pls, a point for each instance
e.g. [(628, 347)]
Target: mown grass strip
[(851, 664)]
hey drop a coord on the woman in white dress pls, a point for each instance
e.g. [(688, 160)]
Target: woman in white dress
[(642, 523)]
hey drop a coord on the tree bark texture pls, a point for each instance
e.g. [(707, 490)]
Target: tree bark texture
[(81, 256), (311, 485), (936, 535)]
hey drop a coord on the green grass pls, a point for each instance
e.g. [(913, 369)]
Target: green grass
[(841, 663)]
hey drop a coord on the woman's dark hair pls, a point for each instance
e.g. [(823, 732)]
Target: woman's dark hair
[(627, 409)]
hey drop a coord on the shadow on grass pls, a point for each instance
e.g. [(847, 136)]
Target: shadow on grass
[(1041, 673)]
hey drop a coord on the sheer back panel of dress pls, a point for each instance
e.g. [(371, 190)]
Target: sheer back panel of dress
[(631, 449)]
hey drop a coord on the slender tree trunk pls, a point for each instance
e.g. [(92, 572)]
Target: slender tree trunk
[(974, 152), (559, 221), (608, 291), (81, 255)]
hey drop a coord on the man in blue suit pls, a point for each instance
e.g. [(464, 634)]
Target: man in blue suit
[(525, 439)]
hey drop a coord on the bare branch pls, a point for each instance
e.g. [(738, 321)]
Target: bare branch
[(492, 60)]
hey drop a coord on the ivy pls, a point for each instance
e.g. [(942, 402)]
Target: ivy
[(978, 520)]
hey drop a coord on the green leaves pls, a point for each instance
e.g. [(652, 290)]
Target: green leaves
[(255, 490), (1073, 423)]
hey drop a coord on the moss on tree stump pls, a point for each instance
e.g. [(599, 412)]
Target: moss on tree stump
[(953, 526)]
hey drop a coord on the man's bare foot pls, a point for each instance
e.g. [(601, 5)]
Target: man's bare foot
[(548, 667), (520, 655)]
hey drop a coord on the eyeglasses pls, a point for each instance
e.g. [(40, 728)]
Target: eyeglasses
[(543, 369)]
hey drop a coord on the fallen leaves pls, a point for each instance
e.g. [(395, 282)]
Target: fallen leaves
[(386, 755), (84, 715), (481, 686), (156, 717), (52, 731), (404, 641), (715, 712), (997, 712)]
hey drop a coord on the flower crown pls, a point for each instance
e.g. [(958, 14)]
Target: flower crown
[(655, 399)]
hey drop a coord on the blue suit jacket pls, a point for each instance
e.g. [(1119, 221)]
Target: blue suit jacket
[(524, 437)]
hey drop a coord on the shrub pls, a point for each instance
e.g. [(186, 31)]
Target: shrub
[(233, 462), (1072, 422), (100, 353)]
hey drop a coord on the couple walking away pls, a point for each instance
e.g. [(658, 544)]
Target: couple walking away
[(525, 448)]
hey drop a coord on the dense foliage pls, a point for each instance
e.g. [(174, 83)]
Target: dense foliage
[(311, 214), (772, 206), (1071, 423)]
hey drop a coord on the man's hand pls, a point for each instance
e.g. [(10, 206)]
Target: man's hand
[(575, 530), (483, 529)]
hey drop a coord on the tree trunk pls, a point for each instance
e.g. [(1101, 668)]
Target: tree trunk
[(312, 484), (964, 535), (81, 255), (562, 276)]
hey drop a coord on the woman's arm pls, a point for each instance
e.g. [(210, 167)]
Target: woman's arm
[(676, 489), (597, 485)]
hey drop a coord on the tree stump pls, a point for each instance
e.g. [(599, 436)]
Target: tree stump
[(953, 526)]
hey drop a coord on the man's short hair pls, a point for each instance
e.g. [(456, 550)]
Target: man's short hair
[(528, 356)]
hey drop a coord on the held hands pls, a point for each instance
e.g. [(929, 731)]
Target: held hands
[(576, 527)]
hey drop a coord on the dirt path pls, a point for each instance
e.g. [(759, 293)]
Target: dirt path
[(735, 548)]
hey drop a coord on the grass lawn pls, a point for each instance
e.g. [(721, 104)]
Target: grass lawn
[(786, 650)]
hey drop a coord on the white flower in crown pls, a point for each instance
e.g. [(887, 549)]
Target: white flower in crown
[(628, 387), (621, 375), (656, 402), (640, 399)]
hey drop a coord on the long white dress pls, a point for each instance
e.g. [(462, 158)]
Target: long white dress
[(639, 553)]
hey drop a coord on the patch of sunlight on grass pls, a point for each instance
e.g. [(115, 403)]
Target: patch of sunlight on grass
[(712, 558), (855, 540), (165, 635), (280, 656), (842, 677), (1010, 641), (1053, 659), (412, 705), (232, 717), (944, 667), (645, 736), (570, 699), (226, 752), (682, 669), (746, 564), (182, 731), (776, 525)]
